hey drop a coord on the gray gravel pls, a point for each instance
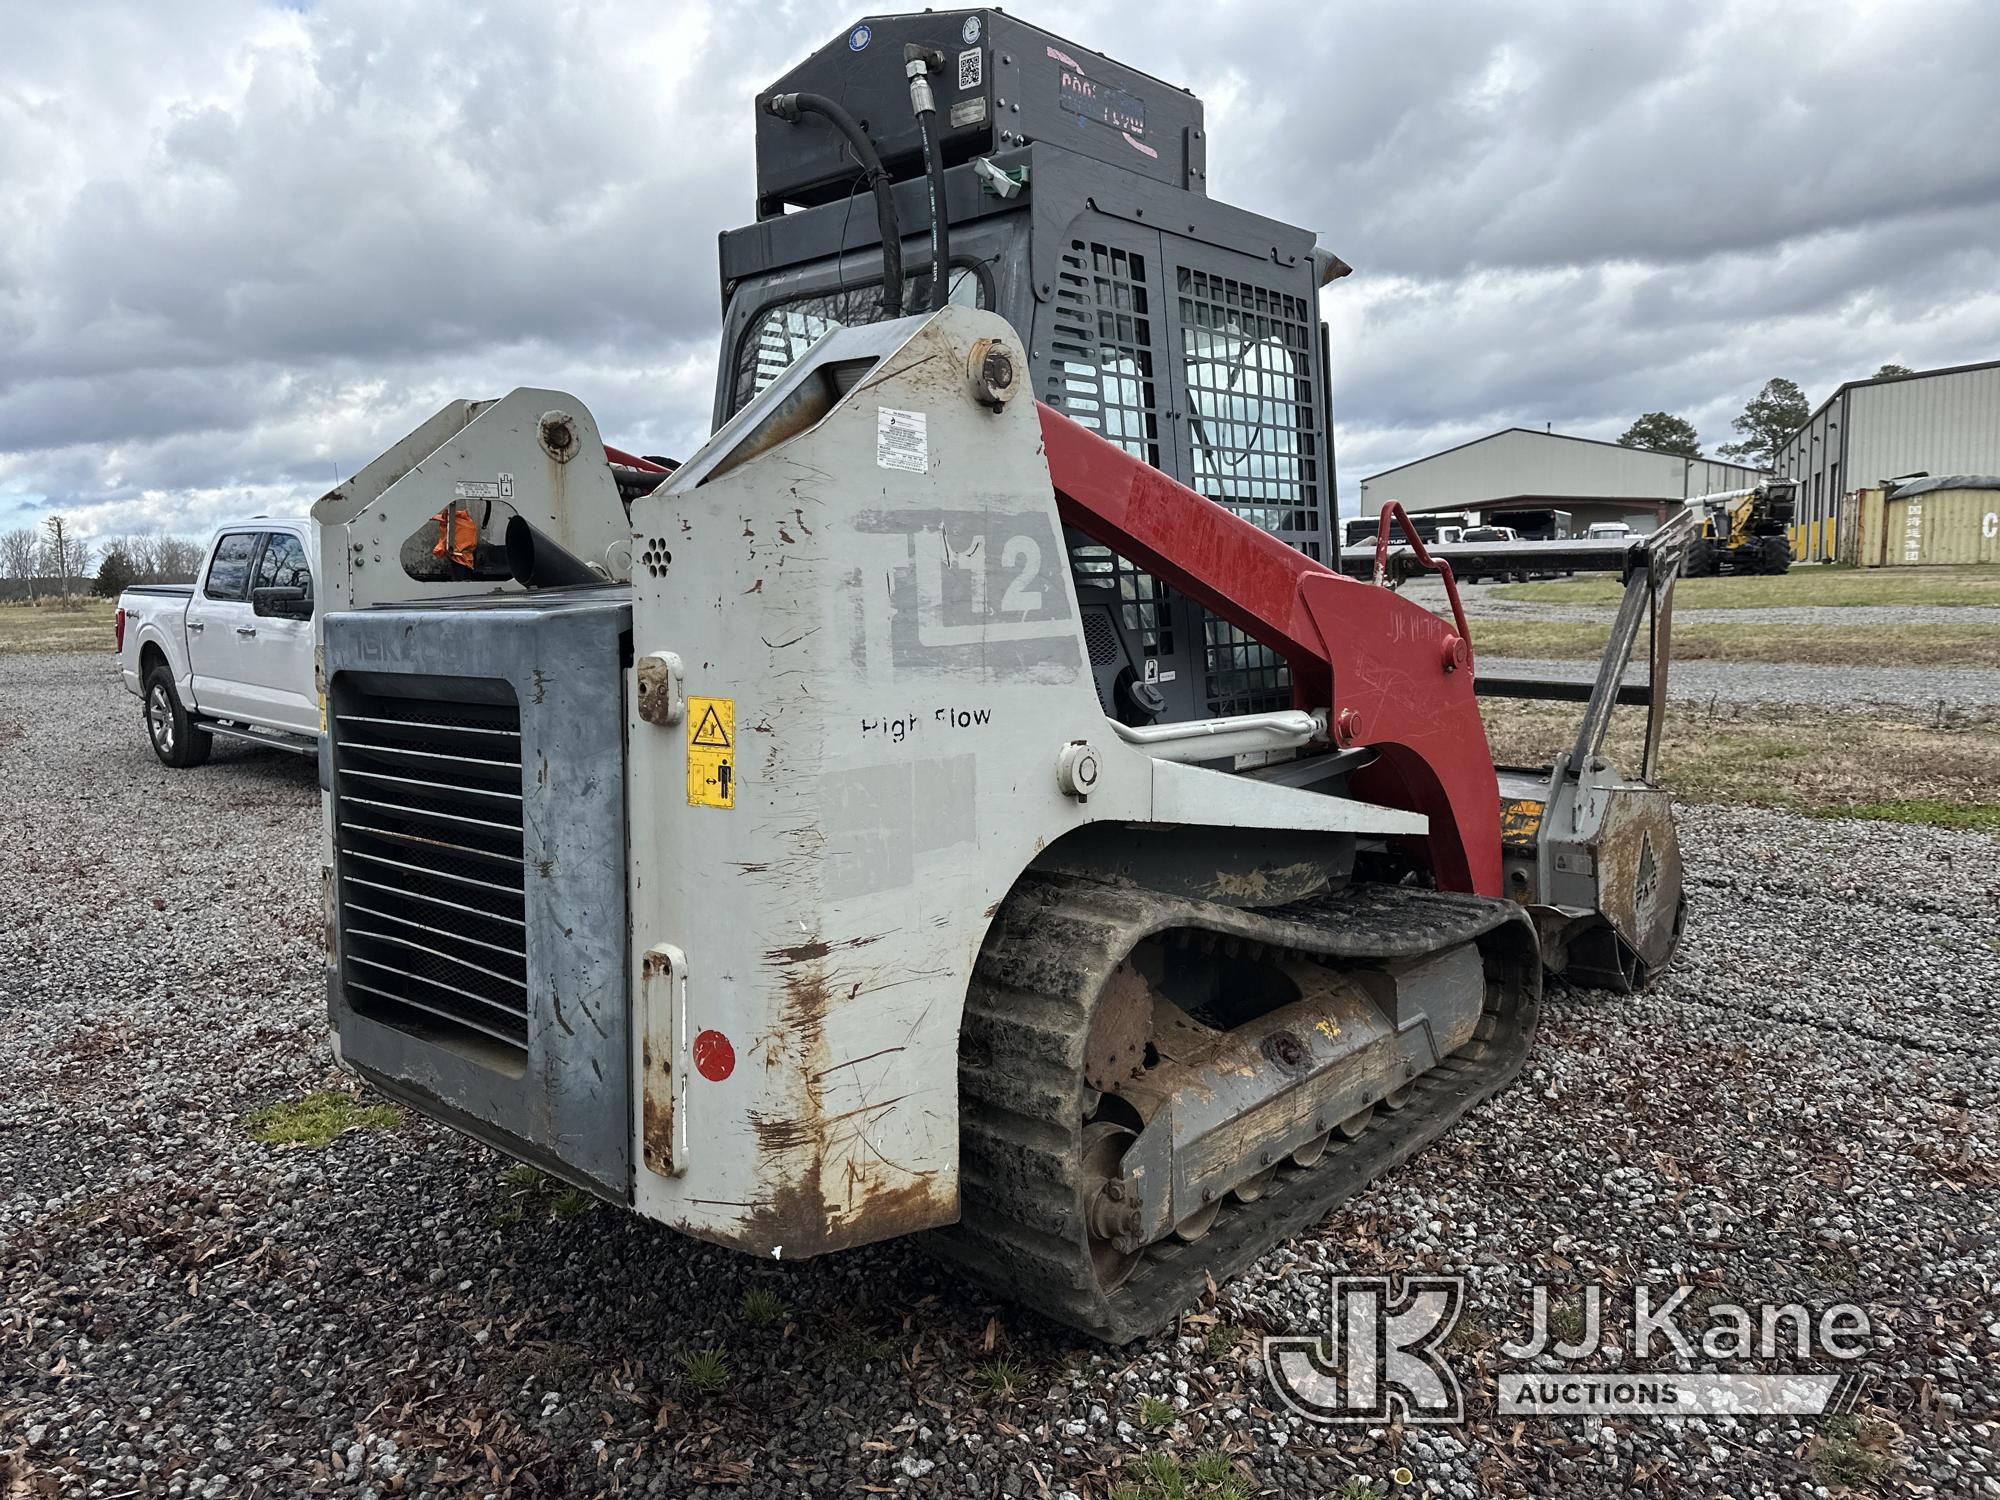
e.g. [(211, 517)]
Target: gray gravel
[(1804, 1110)]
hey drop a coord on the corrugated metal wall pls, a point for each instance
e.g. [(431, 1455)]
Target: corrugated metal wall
[(1522, 462), (1946, 423)]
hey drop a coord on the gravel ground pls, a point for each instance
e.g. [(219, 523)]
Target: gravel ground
[(1947, 696), (1482, 601), (1805, 1110)]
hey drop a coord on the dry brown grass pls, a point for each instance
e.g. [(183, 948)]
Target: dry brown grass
[(1821, 763), (1975, 583), (1811, 645), (85, 626)]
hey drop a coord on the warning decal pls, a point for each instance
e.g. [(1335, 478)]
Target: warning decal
[(711, 752), (901, 441)]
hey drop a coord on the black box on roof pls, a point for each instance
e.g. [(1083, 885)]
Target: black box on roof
[(1005, 83)]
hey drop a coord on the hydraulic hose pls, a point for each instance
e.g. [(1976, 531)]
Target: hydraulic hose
[(790, 107), (917, 62)]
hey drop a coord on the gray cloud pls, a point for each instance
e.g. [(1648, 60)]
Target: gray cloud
[(251, 244)]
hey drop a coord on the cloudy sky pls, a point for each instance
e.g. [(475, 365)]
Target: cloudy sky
[(247, 245)]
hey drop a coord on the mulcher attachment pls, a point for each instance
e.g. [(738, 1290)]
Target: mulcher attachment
[(1157, 1090)]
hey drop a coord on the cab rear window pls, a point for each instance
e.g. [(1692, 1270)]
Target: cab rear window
[(229, 572), (784, 330)]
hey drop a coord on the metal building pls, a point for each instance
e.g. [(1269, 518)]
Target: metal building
[(1934, 422), (1521, 469)]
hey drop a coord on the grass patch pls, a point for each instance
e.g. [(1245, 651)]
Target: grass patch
[(1824, 764), (85, 626), (853, 1341), (704, 1370), (762, 1306), (1926, 810), (1853, 1452), (1822, 587), (1162, 1476), (1000, 1379), (317, 1118), (570, 1202), (522, 1178), (1811, 645), (1153, 1412)]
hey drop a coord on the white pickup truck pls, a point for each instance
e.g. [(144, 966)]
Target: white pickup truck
[(232, 652)]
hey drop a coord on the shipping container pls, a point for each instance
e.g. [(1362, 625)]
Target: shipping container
[(1880, 529)]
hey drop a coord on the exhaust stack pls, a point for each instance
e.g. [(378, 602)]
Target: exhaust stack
[(538, 561)]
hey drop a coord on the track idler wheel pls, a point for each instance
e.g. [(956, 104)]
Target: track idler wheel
[(1106, 1209)]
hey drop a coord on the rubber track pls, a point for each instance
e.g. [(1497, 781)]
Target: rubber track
[(1052, 946)]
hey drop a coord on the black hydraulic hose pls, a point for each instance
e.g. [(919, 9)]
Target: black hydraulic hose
[(918, 60), (940, 218), (790, 107)]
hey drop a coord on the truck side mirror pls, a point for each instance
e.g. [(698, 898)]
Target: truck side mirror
[(281, 603)]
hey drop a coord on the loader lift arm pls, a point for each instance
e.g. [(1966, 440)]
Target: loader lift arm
[(1389, 674)]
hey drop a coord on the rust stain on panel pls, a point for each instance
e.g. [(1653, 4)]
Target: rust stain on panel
[(657, 1084), (824, 1183)]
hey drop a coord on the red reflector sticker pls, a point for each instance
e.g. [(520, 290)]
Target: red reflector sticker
[(713, 1056)]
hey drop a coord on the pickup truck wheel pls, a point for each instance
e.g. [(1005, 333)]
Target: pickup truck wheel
[(177, 740)]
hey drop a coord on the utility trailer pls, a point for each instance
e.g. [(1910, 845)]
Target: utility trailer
[(957, 799)]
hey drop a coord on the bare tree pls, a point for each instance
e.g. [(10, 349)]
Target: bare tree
[(60, 548), (143, 552), (176, 559), (19, 551)]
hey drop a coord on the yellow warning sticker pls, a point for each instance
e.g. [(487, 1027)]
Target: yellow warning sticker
[(711, 752)]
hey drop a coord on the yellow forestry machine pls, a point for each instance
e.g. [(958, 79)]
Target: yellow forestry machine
[(1744, 531)]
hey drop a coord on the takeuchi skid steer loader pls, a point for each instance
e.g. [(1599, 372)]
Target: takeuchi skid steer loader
[(956, 799)]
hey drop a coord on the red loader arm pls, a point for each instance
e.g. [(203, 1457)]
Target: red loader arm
[(1391, 675)]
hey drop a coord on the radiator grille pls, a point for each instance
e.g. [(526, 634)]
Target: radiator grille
[(430, 858)]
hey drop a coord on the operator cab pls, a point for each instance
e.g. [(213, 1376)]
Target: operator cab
[(1181, 328)]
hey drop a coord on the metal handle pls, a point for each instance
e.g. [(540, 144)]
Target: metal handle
[(195, 627), (1392, 511), (246, 629)]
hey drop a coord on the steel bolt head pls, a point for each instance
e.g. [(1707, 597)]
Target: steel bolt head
[(1076, 769), (994, 377), (557, 431)]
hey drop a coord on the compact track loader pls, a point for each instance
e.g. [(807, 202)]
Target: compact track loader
[(956, 799)]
